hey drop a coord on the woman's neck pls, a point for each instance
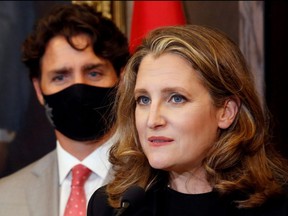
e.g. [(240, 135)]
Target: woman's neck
[(190, 182)]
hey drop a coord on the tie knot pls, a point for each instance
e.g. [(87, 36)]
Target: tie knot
[(80, 174)]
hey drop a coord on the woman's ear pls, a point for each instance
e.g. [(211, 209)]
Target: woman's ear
[(228, 113), (36, 84)]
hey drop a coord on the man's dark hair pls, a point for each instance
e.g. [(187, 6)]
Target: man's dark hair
[(69, 20)]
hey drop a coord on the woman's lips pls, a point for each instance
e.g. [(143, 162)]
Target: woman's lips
[(159, 140)]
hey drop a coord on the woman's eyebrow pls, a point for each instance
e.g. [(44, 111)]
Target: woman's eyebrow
[(140, 91)]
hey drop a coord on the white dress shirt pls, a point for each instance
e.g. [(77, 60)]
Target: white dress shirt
[(97, 162)]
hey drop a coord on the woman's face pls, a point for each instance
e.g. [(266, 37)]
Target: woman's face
[(175, 118)]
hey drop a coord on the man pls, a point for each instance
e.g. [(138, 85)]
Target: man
[(75, 58)]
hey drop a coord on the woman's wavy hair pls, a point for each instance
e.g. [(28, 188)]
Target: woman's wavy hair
[(242, 159), (69, 20)]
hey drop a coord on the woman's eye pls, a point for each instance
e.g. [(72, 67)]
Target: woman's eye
[(177, 99), (143, 100)]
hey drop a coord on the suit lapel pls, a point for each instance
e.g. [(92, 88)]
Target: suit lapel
[(43, 192)]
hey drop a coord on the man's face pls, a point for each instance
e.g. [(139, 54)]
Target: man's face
[(63, 66)]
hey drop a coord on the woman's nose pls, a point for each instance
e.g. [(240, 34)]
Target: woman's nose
[(156, 117)]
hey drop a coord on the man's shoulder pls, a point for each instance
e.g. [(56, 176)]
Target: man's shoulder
[(32, 184), (27, 173)]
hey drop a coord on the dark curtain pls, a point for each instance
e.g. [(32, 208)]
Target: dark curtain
[(19, 109), (276, 57)]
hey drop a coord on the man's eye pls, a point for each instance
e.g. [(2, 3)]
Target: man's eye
[(143, 100), (58, 78), (177, 98), (94, 74)]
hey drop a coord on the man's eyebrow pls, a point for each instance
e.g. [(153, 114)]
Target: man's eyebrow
[(60, 70), (88, 67)]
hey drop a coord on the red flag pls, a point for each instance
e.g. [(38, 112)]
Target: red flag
[(148, 15)]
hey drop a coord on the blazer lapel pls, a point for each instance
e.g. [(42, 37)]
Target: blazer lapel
[(43, 193)]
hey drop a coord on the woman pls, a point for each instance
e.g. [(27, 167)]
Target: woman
[(192, 133)]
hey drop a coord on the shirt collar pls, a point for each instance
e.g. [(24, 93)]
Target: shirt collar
[(97, 161)]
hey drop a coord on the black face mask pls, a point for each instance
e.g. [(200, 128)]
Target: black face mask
[(81, 112)]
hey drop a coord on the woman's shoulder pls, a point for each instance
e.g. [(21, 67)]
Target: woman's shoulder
[(277, 205), (98, 204)]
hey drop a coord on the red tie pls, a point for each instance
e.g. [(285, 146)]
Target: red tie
[(76, 205)]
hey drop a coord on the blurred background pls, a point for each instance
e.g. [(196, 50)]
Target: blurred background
[(258, 27)]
